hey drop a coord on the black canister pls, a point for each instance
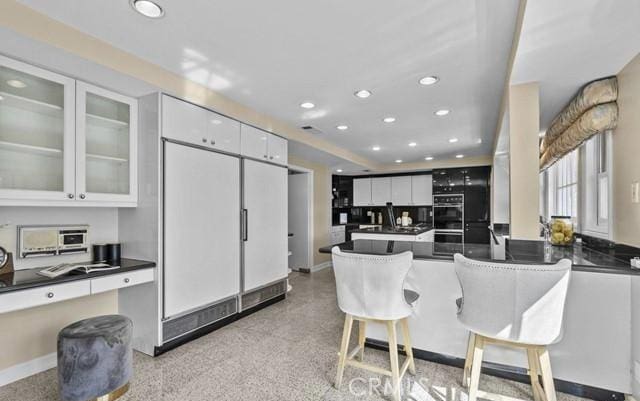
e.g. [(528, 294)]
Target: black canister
[(100, 254), (113, 252)]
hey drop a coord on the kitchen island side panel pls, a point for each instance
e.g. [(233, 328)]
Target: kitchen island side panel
[(596, 345)]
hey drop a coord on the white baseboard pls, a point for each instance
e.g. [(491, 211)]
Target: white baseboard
[(29, 368), (321, 266)]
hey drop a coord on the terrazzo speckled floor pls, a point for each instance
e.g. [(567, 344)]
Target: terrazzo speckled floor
[(287, 351)]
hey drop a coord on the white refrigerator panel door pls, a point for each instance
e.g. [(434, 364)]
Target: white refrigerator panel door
[(265, 248), (202, 228)]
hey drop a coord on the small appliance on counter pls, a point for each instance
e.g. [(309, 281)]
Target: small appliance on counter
[(52, 240), (343, 218), (106, 252)]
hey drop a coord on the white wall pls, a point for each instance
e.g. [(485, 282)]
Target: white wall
[(31, 333), (501, 189)]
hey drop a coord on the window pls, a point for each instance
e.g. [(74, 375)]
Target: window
[(597, 158), (578, 185), (563, 187)]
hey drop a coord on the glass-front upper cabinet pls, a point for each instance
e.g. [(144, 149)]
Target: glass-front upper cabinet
[(37, 134), (106, 138)]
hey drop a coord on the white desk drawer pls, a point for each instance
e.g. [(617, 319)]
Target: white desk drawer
[(108, 283), (23, 299)]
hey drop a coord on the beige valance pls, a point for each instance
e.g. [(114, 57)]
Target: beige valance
[(593, 110), (597, 119)]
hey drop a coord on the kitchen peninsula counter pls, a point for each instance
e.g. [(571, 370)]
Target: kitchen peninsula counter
[(597, 314)]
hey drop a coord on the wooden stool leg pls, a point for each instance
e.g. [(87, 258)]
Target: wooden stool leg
[(344, 348), (406, 338), (476, 366), (393, 353), (469, 359), (362, 330), (547, 376), (534, 372)]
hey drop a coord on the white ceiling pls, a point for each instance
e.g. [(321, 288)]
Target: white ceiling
[(566, 43), (273, 55)]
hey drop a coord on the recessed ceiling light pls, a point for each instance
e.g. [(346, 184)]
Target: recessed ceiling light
[(412, 144), (453, 140), (16, 83), (429, 158), (362, 93), (459, 156), (479, 140), (216, 122), (376, 148), (441, 113), (430, 80), (307, 105), (342, 127), (389, 119), (147, 8), (339, 170), (399, 161)]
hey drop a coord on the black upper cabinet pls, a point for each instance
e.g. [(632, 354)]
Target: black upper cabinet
[(476, 194), (473, 182), (448, 181)]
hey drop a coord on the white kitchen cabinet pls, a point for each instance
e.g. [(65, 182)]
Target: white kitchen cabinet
[(184, 121), (337, 235), (362, 192), (64, 142), (106, 145), (277, 149), (30, 298), (401, 190), (253, 142), (261, 145), (37, 135), (202, 193), (265, 224), (380, 190), (421, 190), (124, 280), (223, 133)]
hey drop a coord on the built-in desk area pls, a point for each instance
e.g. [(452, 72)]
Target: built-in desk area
[(22, 289)]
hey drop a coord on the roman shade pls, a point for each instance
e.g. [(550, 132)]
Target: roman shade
[(592, 111)]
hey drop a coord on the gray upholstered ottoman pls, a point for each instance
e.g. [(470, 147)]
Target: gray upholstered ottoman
[(95, 358)]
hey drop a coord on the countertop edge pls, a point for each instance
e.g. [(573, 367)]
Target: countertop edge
[(133, 265)]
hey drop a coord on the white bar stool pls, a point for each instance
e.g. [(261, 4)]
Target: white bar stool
[(370, 289), (512, 305)]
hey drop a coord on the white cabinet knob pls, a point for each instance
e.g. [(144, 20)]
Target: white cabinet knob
[(49, 294)]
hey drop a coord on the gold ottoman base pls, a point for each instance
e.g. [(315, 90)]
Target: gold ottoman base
[(114, 395)]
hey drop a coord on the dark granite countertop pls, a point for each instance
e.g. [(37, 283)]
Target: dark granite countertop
[(29, 278), (514, 251), (390, 230)]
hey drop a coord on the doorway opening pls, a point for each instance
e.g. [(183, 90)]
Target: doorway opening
[(300, 219)]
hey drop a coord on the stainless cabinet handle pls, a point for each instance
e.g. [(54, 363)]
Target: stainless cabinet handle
[(126, 280), (49, 294), (204, 140), (271, 157), (70, 196), (245, 224), (213, 142), (82, 196)]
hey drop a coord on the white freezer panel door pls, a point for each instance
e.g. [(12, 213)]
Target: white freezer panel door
[(202, 228), (266, 247)]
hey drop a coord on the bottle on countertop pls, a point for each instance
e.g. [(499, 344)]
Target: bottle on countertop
[(379, 218)]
